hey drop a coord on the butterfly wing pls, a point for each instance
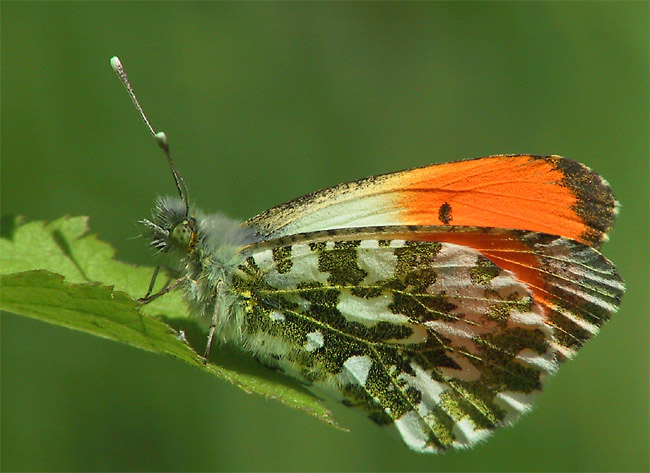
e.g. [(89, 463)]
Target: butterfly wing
[(549, 194), (429, 337)]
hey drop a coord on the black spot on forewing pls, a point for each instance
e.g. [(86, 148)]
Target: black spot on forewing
[(444, 213)]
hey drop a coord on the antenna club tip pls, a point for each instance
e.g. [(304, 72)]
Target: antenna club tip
[(161, 138), (116, 64)]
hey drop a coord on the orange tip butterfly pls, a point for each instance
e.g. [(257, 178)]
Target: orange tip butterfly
[(438, 300)]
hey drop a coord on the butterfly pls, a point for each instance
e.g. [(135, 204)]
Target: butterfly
[(437, 300)]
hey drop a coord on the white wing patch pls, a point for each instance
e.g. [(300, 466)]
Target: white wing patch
[(315, 341), (355, 370), (304, 267), (379, 265), (368, 312)]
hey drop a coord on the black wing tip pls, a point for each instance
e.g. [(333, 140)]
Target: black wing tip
[(595, 205)]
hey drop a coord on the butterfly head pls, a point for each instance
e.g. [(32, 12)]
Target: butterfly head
[(172, 228)]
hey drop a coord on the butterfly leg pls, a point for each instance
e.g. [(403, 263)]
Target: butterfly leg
[(152, 282), (148, 298), (155, 276), (213, 323)]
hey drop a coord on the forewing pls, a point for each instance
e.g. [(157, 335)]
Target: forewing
[(549, 194), (430, 337)]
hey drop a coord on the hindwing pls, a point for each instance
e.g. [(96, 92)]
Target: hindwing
[(437, 339)]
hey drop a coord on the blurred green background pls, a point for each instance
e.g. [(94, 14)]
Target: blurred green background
[(263, 102)]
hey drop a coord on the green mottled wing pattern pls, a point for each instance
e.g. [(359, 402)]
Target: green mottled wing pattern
[(430, 338)]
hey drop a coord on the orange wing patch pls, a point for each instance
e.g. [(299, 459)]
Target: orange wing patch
[(546, 194)]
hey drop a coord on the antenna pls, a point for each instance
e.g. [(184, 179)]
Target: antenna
[(160, 136)]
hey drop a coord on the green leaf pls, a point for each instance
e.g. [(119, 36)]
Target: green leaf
[(61, 274)]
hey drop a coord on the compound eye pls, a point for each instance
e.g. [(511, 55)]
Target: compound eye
[(183, 234)]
